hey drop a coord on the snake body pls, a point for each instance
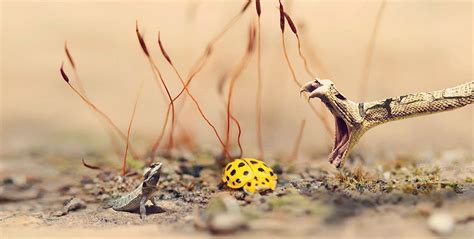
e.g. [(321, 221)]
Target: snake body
[(354, 119)]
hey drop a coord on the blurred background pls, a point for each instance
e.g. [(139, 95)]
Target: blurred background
[(419, 46)]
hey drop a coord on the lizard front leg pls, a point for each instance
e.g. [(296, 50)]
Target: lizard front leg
[(143, 208)]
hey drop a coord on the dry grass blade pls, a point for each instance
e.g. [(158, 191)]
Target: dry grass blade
[(370, 52)]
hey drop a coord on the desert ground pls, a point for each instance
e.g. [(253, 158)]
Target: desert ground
[(407, 179)]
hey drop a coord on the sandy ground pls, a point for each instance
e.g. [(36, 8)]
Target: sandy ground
[(46, 130), (310, 200)]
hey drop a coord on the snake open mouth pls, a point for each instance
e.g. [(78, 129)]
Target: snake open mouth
[(341, 141)]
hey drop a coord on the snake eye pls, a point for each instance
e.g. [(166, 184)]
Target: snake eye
[(340, 96)]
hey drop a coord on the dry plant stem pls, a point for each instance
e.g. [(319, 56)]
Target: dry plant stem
[(240, 67), (199, 65), (129, 130), (76, 75), (201, 112), (319, 114), (296, 147), (111, 134), (236, 122), (158, 77), (284, 16), (239, 134), (290, 66), (188, 92), (102, 114), (169, 97), (370, 52), (318, 63), (244, 61), (157, 142), (258, 103), (305, 61)]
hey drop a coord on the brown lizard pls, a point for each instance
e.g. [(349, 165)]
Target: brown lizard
[(138, 197)]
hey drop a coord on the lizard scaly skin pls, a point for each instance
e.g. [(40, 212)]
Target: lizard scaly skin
[(137, 198)]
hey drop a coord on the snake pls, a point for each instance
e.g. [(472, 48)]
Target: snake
[(352, 120)]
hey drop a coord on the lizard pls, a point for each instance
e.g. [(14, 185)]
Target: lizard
[(353, 119), (137, 198)]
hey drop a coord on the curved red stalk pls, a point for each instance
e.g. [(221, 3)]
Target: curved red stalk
[(192, 97), (200, 63), (95, 109)]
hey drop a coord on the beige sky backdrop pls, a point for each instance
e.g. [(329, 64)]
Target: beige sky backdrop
[(421, 45)]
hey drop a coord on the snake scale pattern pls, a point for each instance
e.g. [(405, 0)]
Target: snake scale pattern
[(352, 119)]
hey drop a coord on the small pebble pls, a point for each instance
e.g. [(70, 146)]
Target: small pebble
[(441, 223)]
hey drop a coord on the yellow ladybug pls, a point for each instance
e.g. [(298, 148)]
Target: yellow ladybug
[(251, 174)]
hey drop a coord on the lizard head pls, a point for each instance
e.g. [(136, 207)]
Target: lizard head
[(152, 174), (347, 122)]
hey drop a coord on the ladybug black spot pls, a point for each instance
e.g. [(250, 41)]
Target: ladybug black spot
[(241, 164), (238, 180), (271, 174), (232, 173), (256, 179), (261, 170), (233, 183), (246, 173), (267, 180), (228, 167), (227, 177), (253, 162), (249, 184)]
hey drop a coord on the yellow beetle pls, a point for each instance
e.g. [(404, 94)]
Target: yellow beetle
[(251, 174)]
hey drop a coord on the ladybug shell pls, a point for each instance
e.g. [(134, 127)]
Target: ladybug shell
[(251, 174)]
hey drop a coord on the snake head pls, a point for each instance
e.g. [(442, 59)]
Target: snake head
[(318, 88), (346, 120), (152, 174)]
